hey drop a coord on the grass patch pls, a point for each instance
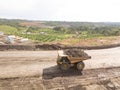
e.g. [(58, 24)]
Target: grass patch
[(8, 29)]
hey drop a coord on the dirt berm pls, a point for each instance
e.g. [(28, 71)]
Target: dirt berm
[(52, 47)]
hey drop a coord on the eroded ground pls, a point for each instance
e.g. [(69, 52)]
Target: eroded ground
[(37, 70)]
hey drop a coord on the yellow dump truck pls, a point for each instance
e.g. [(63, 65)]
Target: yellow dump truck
[(72, 58)]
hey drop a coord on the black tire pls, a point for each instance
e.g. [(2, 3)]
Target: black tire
[(80, 66), (64, 66)]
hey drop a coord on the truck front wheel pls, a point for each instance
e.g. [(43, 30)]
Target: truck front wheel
[(64, 66)]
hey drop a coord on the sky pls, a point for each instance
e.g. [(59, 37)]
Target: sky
[(62, 10)]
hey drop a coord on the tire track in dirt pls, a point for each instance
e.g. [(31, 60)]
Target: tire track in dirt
[(34, 62), (94, 79), (37, 70)]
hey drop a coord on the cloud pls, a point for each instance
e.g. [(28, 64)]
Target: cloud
[(64, 10), (16, 5)]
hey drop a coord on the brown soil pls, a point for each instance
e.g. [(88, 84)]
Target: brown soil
[(37, 70), (76, 53), (97, 79), (96, 41)]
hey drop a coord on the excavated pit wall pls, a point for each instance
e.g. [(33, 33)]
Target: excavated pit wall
[(52, 47)]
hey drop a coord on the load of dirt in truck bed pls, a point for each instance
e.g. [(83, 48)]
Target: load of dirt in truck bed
[(76, 53)]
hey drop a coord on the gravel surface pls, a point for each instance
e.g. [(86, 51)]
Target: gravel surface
[(37, 69)]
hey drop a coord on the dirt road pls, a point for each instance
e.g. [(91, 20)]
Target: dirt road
[(37, 70)]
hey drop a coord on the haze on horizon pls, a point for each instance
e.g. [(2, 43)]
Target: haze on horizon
[(61, 10)]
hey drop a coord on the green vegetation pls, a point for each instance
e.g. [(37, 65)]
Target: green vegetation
[(44, 38), (8, 29), (49, 31)]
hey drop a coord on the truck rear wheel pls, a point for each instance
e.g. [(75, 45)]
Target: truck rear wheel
[(80, 66), (64, 66)]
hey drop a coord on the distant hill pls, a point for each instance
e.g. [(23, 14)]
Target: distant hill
[(28, 23)]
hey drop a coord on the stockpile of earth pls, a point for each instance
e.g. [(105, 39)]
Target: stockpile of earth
[(76, 53), (12, 39), (3, 40)]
